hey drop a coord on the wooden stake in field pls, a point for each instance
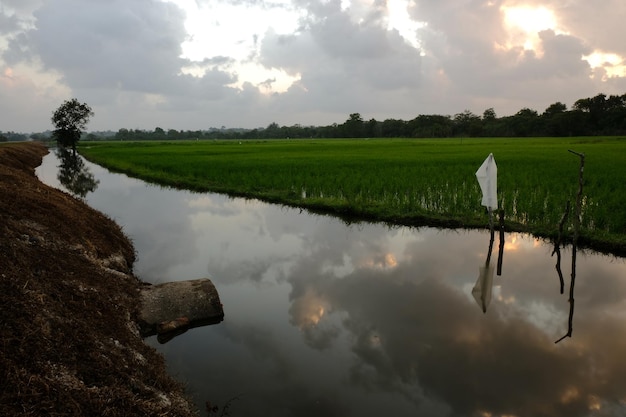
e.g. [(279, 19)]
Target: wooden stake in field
[(487, 176)]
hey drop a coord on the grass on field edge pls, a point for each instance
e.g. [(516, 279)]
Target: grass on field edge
[(610, 244)]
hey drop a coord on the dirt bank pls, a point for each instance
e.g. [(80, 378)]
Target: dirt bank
[(68, 298)]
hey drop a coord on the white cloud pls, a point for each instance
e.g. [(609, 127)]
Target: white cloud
[(190, 64)]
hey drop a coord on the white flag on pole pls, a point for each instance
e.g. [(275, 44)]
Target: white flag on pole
[(487, 176)]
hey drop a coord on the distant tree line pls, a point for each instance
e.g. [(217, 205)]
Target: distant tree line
[(13, 136), (599, 115)]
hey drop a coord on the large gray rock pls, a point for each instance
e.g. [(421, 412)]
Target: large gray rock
[(171, 308)]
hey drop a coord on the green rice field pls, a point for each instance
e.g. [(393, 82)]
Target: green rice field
[(400, 181)]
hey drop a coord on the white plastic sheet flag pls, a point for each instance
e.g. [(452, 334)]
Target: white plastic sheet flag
[(487, 176)]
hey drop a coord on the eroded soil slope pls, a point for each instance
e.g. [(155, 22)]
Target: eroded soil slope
[(68, 342)]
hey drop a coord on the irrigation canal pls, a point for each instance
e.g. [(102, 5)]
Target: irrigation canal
[(328, 319)]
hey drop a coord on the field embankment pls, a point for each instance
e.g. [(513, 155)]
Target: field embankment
[(67, 302), (403, 182)]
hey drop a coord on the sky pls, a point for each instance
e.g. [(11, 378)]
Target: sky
[(198, 64)]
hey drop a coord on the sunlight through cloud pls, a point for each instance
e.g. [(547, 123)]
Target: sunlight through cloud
[(523, 24), (268, 80), (23, 75), (612, 64), (235, 33), (400, 20)]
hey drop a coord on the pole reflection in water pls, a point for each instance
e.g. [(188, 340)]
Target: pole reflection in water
[(484, 284), (367, 320), (483, 287)]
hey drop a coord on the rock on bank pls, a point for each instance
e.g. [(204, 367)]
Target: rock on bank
[(68, 299)]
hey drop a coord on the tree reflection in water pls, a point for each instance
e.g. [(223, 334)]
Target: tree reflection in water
[(73, 174)]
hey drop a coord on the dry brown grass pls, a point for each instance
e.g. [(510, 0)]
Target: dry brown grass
[(68, 342)]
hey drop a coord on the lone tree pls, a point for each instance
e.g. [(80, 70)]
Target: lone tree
[(70, 119)]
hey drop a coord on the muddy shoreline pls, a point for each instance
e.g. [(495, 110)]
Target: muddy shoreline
[(68, 307)]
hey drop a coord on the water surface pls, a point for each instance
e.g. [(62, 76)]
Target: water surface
[(328, 319)]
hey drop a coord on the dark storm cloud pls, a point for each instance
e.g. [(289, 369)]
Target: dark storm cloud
[(353, 63), (128, 46), (120, 47)]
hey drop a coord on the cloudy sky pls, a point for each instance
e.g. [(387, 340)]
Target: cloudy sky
[(196, 64)]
